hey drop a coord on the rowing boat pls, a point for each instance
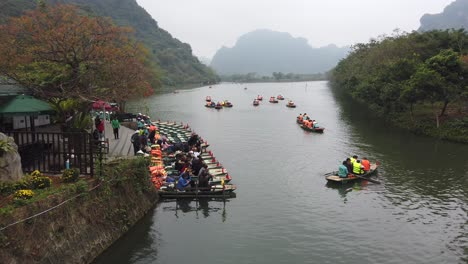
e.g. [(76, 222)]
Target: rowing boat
[(214, 191), (337, 179), (313, 129)]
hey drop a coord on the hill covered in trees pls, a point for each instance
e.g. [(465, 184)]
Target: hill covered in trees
[(174, 58), (454, 16), (265, 51), (416, 80)]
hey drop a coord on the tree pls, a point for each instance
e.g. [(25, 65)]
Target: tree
[(441, 78), (60, 52)]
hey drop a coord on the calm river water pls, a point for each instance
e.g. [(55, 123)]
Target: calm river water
[(284, 212)]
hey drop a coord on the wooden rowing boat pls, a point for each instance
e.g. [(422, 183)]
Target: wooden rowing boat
[(314, 129), (226, 191), (337, 179)]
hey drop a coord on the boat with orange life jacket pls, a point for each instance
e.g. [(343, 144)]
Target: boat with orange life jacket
[(332, 177), (309, 126)]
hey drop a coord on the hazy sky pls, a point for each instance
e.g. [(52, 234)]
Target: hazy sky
[(209, 24)]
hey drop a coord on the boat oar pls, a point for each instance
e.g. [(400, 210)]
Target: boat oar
[(368, 179), (331, 173)]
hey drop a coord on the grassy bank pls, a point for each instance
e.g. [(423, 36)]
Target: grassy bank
[(453, 126)]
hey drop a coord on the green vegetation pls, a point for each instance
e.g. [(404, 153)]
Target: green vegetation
[(174, 59), (275, 77), (33, 188), (418, 80), (70, 175)]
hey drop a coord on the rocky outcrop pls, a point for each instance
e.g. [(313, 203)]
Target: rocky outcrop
[(10, 160)]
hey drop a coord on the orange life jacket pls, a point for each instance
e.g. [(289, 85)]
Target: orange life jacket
[(366, 164)]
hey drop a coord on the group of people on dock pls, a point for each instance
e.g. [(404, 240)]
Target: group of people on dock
[(353, 166), (306, 121), (190, 164)]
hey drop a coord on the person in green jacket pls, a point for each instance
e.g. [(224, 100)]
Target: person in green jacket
[(115, 125)]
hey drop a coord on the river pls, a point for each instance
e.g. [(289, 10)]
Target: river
[(284, 212)]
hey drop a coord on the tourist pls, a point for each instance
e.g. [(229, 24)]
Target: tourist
[(140, 123), (349, 165), (358, 168), (343, 170), (143, 140), (204, 180), (300, 118), (196, 165), (314, 124), (100, 128), (366, 164), (135, 139), (152, 135), (184, 181), (353, 159), (115, 126)]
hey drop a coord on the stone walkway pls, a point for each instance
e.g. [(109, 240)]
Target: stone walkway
[(119, 147)]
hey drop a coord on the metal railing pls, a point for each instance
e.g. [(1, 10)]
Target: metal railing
[(50, 151)]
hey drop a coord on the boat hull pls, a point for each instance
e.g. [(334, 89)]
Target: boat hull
[(316, 130), (215, 191)]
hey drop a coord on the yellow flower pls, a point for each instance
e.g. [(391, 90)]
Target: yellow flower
[(23, 194)]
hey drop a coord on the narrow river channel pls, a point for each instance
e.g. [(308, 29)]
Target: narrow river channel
[(284, 212)]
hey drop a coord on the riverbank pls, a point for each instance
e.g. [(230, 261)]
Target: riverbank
[(453, 126), (78, 224)]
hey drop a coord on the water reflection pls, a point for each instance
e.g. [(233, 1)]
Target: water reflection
[(201, 207), (345, 188), (142, 237)]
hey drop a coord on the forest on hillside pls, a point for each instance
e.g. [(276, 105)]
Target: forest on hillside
[(419, 80), (172, 58)]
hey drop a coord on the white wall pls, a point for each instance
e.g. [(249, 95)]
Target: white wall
[(19, 121)]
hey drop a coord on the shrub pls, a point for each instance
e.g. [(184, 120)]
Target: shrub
[(7, 188), (23, 194), (34, 181), (5, 147), (70, 175)]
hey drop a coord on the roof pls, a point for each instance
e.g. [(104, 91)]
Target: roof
[(23, 105), (10, 87)]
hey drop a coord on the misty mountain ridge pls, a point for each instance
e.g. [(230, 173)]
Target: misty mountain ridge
[(455, 15), (265, 51)]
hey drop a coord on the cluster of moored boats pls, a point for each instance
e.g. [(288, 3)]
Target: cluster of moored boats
[(274, 100), (219, 105), (165, 176)]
